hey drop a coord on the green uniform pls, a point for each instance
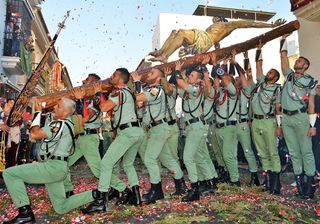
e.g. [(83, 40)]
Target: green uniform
[(196, 132), (169, 155), (264, 98), (159, 132), (107, 139), (227, 130), (295, 127), (50, 172), (126, 144), (205, 166), (243, 129), (144, 117), (213, 143), (87, 145)]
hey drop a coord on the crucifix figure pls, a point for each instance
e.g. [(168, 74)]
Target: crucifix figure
[(195, 41)]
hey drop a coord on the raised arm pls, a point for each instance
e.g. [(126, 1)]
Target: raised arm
[(36, 132), (259, 70), (284, 54), (166, 85), (140, 96), (240, 70), (252, 24), (177, 73), (247, 67)]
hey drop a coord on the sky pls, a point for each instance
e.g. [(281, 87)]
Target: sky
[(102, 35)]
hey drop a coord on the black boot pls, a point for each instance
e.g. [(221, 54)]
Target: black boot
[(193, 193), (254, 179), (25, 216), (180, 186), (310, 189), (203, 186), (98, 205), (300, 185), (113, 193), (267, 180), (156, 193), (276, 186), (237, 183), (212, 183), (69, 194), (136, 198), (125, 197), (223, 175)]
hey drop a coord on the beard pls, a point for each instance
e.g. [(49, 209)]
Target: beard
[(296, 67)]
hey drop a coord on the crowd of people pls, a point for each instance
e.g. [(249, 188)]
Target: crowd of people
[(220, 109)]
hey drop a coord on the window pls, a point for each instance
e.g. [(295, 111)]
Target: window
[(18, 27)]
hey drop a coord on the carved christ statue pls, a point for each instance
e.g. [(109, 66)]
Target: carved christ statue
[(198, 41)]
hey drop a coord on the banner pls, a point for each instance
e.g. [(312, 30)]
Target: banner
[(25, 56), (56, 71)]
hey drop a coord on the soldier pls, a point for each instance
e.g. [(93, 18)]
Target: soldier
[(157, 105), (58, 144), (87, 144), (125, 146), (296, 100), (243, 129), (265, 94), (192, 91), (226, 121), (207, 180)]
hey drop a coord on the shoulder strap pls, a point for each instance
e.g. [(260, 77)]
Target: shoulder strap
[(72, 136)]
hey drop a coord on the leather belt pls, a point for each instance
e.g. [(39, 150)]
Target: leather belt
[(128, 125), (260, 117), (194, 120), (294, 112), (208, 122), (172, 122), (155, 123), (243, 120), (89, 132), (62, 158), (221, 125)]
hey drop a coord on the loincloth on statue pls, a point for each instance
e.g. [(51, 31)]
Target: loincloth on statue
[(202, 43)]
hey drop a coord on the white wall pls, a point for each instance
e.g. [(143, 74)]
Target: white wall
[(309, 41)]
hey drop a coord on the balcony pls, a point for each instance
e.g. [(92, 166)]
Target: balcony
[(12, 65), (309, 11)]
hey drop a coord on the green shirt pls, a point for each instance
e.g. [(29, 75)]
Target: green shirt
[(172, 105), (59, 139), (208, 105), (155, 104), (192, 98), (225, 109), (144, 115), (243, 103), (124, 111), (265, 97), (94, 122), (293, 95)]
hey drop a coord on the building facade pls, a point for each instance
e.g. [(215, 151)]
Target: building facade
[(23, 41), (308, 14)]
